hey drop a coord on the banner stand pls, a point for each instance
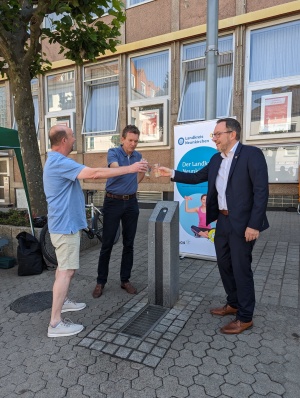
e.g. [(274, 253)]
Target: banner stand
[(200, 257), (193, 151)]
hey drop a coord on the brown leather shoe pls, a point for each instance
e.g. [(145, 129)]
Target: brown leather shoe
[(128, 287), (222, 311), (98, 290), (236, 327)]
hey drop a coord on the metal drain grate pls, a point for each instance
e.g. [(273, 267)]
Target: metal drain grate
[(144, 322)]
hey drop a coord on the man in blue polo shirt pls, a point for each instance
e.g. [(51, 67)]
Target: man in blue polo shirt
[(66, 218), (120, 204)]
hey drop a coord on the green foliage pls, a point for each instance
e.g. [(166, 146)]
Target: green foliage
[(80, 33), (15, 217), (39, 65), (8, 12)]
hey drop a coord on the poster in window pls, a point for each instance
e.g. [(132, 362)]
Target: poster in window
[(149, 125), (276, 112)]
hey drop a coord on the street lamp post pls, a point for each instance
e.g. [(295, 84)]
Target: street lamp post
[(211, 59)]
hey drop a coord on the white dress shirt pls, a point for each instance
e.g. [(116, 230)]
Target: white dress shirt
[(222, 177)]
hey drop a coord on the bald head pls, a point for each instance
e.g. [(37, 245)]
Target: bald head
[(57, 133)]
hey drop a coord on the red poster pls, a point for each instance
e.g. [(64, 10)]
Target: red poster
[(276, 112)]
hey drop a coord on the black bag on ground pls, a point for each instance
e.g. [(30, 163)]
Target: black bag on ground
[(29, 255)]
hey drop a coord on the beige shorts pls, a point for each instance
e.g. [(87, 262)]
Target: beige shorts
[(67, 248)]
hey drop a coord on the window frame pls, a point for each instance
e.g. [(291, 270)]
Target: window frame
[(87, 95), (151, 101), (184, 77), (67, 113), (47, 112), (104, 135), (164, 103), (251, 87)]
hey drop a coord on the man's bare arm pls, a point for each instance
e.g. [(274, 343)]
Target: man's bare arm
[(114, 171)]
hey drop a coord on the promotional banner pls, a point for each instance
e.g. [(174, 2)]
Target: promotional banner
[(193, 150)]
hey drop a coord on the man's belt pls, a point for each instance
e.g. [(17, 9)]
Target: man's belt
[(120, 197), (224, 212)]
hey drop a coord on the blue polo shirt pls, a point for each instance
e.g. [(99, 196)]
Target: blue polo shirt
[(66, 210), (126, 184)]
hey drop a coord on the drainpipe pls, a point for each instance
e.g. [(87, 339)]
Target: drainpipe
[(211, 59)]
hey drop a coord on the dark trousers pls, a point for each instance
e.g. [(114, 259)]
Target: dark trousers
[(114, 211), (234, 257)]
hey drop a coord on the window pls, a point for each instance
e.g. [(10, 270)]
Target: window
[(192, 107), (60, 92), (101, 84), (90, 141), (149, 96), (3, 107), (60, 100), (131, 3), (273, 73), (282, 163), (35, 92)]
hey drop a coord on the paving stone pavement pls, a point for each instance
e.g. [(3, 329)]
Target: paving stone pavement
[(195, 361)]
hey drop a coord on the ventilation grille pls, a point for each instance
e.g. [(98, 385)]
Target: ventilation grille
[(149, 197), (144, 322)]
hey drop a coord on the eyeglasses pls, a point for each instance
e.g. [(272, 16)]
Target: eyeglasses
[(217, 135)]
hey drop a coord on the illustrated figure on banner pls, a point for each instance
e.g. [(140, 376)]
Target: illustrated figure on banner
[(202, 230)]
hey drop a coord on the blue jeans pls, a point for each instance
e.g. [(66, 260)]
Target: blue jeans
[(114, 211)]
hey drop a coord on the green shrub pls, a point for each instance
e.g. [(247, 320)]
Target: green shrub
[(15, 217)]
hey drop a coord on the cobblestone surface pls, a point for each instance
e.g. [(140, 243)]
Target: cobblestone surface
[(184, 355), (108, 337)]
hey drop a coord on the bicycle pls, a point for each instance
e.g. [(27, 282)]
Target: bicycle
[(94, 229)]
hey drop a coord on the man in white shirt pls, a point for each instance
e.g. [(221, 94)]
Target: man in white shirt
[(237, 197)]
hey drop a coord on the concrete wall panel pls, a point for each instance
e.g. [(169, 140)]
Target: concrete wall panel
[(148, 20), (255, 5), (193, 13)]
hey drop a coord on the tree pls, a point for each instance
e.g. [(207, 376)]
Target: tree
[(80, 34)]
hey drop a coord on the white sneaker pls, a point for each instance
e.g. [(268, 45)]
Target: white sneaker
[(65, 328), (70, 305)]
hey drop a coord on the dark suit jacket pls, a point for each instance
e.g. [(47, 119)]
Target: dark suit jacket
[(246, 192)]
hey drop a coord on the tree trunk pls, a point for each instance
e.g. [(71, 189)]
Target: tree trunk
[(24, 114)]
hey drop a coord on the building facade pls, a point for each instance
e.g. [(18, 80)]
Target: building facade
[(156, 80)]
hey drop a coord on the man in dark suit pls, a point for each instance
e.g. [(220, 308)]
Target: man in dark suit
[(237, 198)]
